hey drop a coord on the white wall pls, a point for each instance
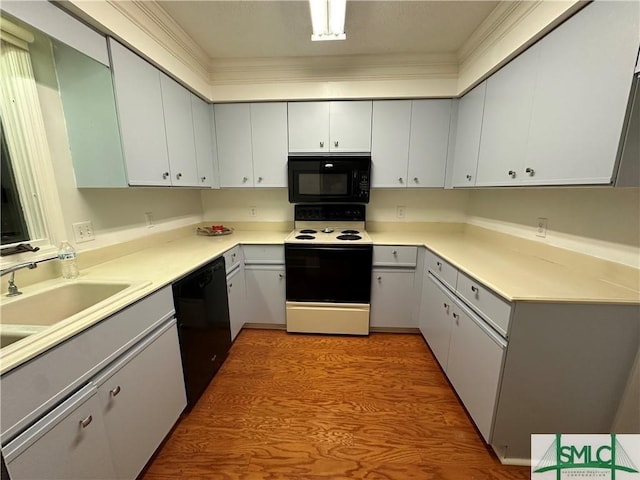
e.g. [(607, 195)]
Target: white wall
[(603, 222)]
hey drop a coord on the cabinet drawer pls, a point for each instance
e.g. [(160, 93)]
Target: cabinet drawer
[(264, 254), (441, 269), (232, 258), (36, 386), (494, 309), (393, 256)]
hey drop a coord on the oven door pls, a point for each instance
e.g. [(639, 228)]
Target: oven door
[(327, 273)]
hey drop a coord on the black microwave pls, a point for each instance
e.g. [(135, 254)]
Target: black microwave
[(341, 178)]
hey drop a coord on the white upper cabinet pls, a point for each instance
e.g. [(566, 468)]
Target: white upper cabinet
[(338, 126), (252, 144), (269, 140), (582, 89), (429, 143), (467, 144), (409, 143), (178, 121), (233, 135), (390, 131), (505, 123), (202, 132), (139, 102), (350, 126), (308, 127)]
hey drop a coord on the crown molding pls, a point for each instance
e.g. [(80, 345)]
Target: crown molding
[(333, 68), (156, 23)]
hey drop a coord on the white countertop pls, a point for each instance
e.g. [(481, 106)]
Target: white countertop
[(498, 261)]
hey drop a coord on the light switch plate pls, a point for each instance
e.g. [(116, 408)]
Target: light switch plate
[(83, 232), (541, 230)]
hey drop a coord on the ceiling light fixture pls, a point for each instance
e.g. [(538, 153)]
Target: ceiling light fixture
[(327, 19)]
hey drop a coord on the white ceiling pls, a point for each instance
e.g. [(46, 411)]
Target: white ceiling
[(227, 29)]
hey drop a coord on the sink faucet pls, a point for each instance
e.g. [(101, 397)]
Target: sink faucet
[(13, 288)]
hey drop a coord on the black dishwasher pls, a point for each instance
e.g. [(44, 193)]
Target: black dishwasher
[(202, 311)]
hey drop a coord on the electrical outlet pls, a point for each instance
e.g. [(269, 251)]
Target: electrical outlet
[(83, 232), (400, 211), (253, 211), (541, 230), (148, 218)]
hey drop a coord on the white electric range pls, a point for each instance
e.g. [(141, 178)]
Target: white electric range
[(328, 270)]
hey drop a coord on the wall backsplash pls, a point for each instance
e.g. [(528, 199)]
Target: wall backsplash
[(603, 222)]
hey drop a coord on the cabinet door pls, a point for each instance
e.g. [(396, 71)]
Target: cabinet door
[(475, 367), (178, 121), (584, 79), (308, 127), (436, 318), (70, 442), (202, 130), (233, 135), (269, 144), (390, 130), (141, 398), (350, 126), (236, 293), (505, 123), (265, 288), (467, 145), (430, 123), (214, 141), (139, 102), (392, 298)]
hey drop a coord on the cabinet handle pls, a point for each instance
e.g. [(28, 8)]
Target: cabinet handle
[(394, 253), (530, 171), (179, 176), (321, 144), (439, 264), (474, 289), (457, 317), (445, 305), (400, 180), (335, 144), (165, 175), (233, 256), (213, 359), (469, 177), (203, 178), (115, 391), (86, 422), (415, 180), (512, 173), (244, 179), (230, 286), (379, 279), (281, 275), (259, 179)]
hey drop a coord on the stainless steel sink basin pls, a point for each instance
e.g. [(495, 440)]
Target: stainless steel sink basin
[(42, 306)]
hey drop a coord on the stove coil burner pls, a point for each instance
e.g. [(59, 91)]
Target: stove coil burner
[(350, 232), (305, 237), (308, 230), (349, 237)]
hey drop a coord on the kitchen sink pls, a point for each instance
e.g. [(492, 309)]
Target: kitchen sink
[(41, 307)]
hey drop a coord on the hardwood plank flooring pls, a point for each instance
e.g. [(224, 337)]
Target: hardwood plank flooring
[(287, 406)]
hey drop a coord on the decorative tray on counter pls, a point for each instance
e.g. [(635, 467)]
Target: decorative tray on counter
[(214, 231)]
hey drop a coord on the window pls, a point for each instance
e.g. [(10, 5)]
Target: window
[(14, 227)]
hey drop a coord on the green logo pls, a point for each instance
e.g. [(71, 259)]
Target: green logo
[(585, 456)]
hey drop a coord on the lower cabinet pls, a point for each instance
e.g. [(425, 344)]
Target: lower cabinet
[(265, 287), (141, 397), (69, 443), (236, 294), (436, 319), (392, 298)]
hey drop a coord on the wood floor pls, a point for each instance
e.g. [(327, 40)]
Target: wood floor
[(287, 406)]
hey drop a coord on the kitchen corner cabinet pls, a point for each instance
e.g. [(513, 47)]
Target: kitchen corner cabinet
[(206, 156), (409, 143), (335, 126), (467, 142), (252, 144), (393, 292), (265, 284)]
